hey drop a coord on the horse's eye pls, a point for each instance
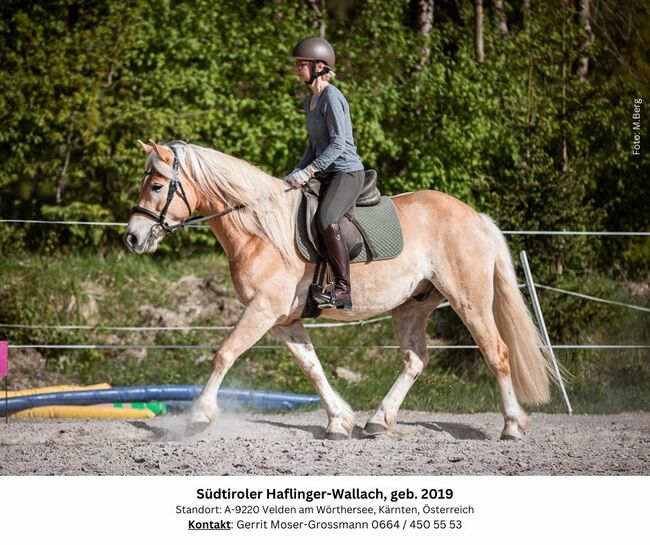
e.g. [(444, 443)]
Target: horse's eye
[(156, 187)]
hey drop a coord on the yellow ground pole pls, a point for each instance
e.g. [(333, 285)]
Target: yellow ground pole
[(76, 411), (83, 411), (53, 389)]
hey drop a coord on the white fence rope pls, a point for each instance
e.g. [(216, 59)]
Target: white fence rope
[(505, 232), (121, 328), (185, 328), (310, 326), (592, 298), (345, 324), (580, 233), (279, 346), (61, 222)]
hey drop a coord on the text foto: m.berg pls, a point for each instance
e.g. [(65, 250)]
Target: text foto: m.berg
[(636, 127)]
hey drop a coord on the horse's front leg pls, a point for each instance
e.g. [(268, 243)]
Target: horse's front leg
[(341, 418), (255, 321)]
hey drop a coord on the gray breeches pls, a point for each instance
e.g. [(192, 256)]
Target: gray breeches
[(339, 192)]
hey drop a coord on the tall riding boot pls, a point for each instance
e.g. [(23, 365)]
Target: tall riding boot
[(339, 260)]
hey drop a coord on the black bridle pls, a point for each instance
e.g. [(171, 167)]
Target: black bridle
[(175, 186)]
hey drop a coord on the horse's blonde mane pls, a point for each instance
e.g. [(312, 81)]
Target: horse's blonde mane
[(269, 211)]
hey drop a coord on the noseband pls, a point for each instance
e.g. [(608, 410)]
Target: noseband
[(175, 185)]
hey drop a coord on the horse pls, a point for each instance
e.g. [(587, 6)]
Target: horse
[(451, 252)]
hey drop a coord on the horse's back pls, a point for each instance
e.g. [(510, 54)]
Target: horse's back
[(431, 209)]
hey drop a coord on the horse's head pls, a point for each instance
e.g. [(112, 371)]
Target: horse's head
[(167, 198)]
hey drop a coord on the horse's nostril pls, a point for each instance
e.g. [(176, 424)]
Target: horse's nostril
[(131, 240)]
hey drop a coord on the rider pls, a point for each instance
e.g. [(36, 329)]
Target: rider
[(331, 156)]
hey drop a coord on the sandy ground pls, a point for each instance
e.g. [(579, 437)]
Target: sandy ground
[(294, 444)]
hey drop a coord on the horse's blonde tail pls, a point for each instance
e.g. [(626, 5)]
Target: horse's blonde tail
[(529, 359)]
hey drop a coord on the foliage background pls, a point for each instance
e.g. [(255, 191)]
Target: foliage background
[(81, 81)]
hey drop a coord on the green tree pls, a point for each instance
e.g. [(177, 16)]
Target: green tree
[(521, 136)]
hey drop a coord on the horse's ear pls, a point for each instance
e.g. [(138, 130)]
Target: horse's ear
[(146, 147), (164, 153)]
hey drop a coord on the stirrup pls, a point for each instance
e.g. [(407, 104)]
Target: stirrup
[(343, 305), (326, 300)]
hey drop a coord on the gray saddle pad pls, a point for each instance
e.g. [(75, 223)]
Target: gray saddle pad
[(380, 223)]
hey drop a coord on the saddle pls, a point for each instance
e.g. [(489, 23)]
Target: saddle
[(371, 228)]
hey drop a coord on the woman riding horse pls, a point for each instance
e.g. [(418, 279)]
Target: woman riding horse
[(331, 157)]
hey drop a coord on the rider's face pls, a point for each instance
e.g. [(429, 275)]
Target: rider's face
[(302, 69)]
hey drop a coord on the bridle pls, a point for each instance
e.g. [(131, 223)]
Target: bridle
[(175, 186)]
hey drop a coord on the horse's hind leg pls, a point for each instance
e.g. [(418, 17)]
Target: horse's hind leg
[(409, 324), (473, 304), (340, 415)]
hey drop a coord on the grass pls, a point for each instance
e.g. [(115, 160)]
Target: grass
[(119, 289)]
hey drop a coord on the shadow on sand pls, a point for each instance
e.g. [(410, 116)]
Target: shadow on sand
[(456, 430), (159, 433), (317, 432)]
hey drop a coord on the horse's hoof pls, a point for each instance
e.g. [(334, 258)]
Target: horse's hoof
[(374, 428), (509, 436), (337, 436), (194, 428)]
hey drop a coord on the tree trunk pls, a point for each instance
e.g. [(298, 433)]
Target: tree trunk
[(526, 13), (62, 183), (478, 30), (500, 15), (584, 20), (424, 24), (565, 149), (320, 9), (425, 16)]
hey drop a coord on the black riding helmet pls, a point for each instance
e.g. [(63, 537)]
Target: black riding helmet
[(315, 49)]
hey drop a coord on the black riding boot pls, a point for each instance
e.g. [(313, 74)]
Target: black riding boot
[(339, 260)]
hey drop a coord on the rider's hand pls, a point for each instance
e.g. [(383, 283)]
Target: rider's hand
[(299, 178), (289, 177)]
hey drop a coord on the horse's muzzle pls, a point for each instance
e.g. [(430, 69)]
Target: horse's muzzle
[(131, 241), (143, 238)]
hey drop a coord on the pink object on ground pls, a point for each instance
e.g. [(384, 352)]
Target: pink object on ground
[(4, 358)]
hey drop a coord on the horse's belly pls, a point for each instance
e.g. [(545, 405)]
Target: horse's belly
[(381, 286)]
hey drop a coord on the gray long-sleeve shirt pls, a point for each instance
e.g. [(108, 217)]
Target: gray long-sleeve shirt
[(331, 142)]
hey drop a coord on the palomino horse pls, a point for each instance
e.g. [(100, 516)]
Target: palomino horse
[(450, 252)]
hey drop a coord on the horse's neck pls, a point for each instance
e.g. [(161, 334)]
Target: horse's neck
[(236, 242), (244, 252), (230, 238)]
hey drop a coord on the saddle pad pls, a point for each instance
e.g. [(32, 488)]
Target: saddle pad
[(380, 223)]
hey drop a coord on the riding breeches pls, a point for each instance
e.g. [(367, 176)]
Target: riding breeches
[(339, 192)]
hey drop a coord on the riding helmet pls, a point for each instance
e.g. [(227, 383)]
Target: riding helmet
[(315, 49)]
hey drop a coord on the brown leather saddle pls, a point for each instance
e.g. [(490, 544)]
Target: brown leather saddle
[(352, 230)]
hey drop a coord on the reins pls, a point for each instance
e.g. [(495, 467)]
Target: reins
[(199, 219)]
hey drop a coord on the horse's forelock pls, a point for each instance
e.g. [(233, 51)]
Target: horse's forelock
[(154, 161)]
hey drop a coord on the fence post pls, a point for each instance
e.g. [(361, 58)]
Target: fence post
[(542, 325)]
